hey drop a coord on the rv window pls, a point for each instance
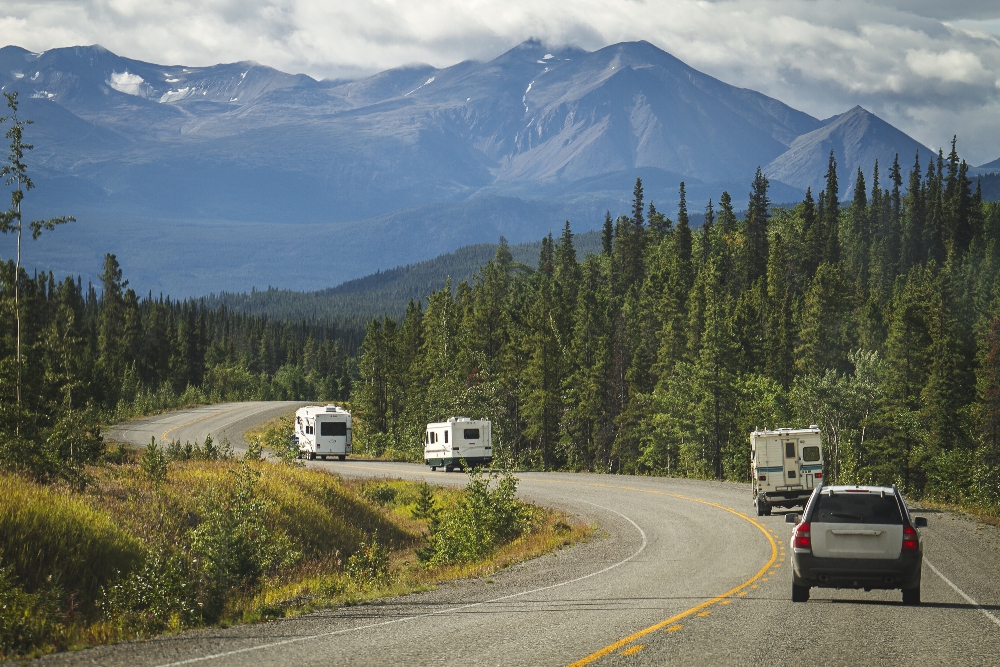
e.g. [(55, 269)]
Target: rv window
[(333, 428), (446, 436), (810, 454), (472, 434), (789, 450), (309, 430)]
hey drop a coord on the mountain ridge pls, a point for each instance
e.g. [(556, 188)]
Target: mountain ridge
[(552, 132)]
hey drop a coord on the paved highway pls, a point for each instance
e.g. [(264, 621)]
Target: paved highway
[(683, 574)]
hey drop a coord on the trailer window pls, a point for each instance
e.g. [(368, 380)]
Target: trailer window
[(810, 454), (789, 450), (333, 428), (309, 430), (857, 508), (472, 434), (446, 436)]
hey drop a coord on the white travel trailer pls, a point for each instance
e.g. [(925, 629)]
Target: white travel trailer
[(787, 464), (460, 439), (323, 431)]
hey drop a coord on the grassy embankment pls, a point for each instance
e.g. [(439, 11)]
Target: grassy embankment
[(152, 545)]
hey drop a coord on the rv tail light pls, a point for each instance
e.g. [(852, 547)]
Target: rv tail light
[(911, 541), (762, 478), (801, 540), (819, 475)]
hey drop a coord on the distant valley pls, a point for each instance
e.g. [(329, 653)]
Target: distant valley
[(239, 176)]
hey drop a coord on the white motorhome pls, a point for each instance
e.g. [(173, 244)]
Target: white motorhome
[(323, 431), (460, 439), (787, 464)]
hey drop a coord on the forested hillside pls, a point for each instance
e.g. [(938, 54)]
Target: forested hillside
[(92, 357), (878, 320), (353, 303)]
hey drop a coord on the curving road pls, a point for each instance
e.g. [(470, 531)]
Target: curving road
[(683, 575)]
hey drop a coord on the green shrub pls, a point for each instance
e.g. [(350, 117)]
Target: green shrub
[(234, 543), (380, 493), (153, 461), (48, 538), (163, 592), (487, 516), (369, 565), (26, 620)]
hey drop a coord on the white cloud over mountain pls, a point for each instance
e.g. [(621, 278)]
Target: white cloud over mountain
[(931, 68)]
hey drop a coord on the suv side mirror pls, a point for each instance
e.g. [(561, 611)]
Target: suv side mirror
[(920, 522), (793, 518)]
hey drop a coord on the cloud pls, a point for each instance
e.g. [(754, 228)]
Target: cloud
[(929, 67)]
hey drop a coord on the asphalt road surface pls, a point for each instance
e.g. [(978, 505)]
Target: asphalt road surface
[(682, 574)]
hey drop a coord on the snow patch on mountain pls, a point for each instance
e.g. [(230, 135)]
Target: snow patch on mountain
[(130, 84), (174, 95)]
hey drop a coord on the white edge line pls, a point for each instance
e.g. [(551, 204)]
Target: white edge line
[(963, 594), (433, 613)]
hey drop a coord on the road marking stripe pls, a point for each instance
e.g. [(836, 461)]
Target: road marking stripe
[(962, 593), (632, 650), (611, 648), (163, 436), (674, 628), (433, 613)]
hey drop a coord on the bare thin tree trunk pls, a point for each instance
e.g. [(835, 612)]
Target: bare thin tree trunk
[(17, 314)]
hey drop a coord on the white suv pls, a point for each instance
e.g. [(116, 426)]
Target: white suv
[(857, 537)]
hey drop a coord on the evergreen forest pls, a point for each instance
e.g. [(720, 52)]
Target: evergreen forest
[(877, 319)]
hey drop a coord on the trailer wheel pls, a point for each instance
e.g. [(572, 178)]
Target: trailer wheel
[(434, 468), (312, 456), (342, 456), (448, 468)]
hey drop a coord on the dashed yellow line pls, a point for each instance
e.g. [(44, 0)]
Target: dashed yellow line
[(632, 649), (674, 628)]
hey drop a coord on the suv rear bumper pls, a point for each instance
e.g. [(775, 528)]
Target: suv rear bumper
[(903, 572)]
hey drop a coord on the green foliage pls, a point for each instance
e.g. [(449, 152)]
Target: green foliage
[(487, 516), (154, 460), (254, 452), (234, 542), (26, 620), (369, 565)]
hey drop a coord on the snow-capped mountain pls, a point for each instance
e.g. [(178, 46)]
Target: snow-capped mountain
[(564, 131)]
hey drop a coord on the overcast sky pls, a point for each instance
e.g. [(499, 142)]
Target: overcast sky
[(930, 67)]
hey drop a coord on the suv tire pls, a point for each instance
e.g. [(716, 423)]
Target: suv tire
[(911, 596), (801, 593)]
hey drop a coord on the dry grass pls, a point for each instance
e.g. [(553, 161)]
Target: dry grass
[(92, 538)]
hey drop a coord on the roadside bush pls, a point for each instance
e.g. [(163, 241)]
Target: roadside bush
[(26, 620), (487, 516), (162, 593), (369, 565), (234, 542)]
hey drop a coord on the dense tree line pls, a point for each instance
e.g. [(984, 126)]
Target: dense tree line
[(877, 319), (93, 354)]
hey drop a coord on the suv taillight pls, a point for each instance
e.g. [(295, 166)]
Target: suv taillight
[(801, 542), (911, 541)]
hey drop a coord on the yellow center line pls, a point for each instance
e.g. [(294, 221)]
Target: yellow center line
[(738, 590), (674, 628), (632, 649), (163, 436), (611, 648)]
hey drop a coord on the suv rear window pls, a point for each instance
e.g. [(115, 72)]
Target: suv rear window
[(857, 508)]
